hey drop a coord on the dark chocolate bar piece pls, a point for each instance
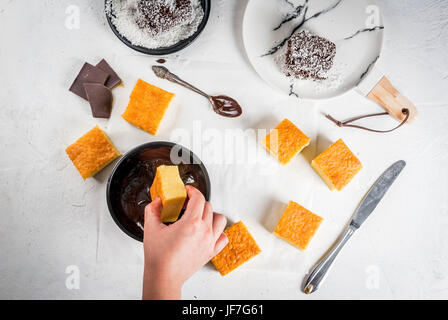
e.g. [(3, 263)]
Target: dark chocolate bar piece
[(88, 74), (113, 79), (100, 99)]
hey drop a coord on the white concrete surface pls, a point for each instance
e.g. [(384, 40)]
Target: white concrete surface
[(51, 219)]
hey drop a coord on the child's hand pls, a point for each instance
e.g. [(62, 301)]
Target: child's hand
[(174, 253)]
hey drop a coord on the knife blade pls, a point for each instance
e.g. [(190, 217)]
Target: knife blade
[(376, 193), (366, 207)]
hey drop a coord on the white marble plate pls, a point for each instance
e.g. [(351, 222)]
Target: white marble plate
[(355, 26)]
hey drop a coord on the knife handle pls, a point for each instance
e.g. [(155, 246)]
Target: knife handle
[(318, 273), (385, 94)]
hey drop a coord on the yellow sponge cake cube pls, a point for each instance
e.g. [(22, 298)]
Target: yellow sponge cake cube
[(147, 106), (337, 165), (92, 152), (241, 248), (169, 187), (285, 141), (297, 225)]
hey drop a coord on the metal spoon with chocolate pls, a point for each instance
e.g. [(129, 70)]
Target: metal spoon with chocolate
[(222, 105)]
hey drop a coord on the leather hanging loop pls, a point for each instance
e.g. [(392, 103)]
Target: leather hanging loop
[(346, 123)]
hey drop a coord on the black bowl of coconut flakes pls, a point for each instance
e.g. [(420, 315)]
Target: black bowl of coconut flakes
[(157, 27)]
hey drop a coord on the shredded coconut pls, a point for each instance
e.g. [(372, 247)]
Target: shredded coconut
[(155, 23), (307, 56), (335, 78)]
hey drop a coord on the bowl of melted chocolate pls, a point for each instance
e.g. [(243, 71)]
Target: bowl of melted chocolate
[(128, 185)]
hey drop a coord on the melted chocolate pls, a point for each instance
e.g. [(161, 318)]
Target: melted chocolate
[(226, 106), (130, 185)]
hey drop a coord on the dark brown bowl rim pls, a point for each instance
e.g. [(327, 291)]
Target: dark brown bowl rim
[(165, 50), (135, 151)]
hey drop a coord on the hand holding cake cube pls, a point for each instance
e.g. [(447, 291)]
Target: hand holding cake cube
[(174, 253)]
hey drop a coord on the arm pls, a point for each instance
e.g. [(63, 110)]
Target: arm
[(174, 253)]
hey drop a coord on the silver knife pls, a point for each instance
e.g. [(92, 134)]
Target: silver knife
[(366, 207)]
